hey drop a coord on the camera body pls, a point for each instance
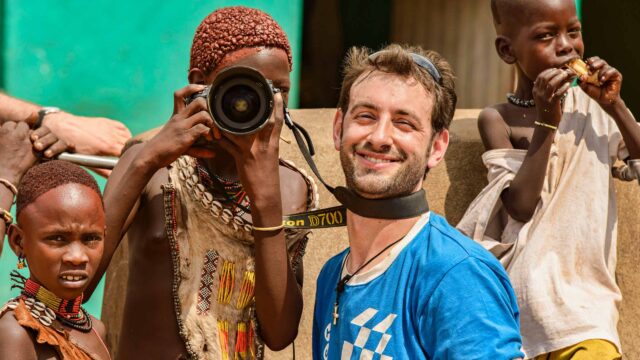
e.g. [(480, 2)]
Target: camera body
[(240, 100)]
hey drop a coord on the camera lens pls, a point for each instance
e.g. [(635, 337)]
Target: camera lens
[(240, 100), (241, 103)]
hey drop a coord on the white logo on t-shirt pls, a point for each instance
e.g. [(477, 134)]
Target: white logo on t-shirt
[(364, 333)]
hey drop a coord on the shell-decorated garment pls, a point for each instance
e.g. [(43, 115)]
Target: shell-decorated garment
[(212, 251), (46, 330)]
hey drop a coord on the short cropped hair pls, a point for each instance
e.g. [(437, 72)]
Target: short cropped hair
[(49, 175), (396, 59), (233, 28), (506, 15)]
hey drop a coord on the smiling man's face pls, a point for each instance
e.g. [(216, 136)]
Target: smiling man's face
[(385, 137), (61, 234)]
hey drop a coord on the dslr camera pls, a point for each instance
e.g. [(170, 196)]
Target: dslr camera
[(240, 100)]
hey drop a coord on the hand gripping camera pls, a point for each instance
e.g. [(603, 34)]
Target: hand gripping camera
[(240, 100)]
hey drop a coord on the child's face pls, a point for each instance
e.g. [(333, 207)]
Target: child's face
[(62, 235), (549, 35)]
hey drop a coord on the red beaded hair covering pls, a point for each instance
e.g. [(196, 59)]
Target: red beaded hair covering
[(233, 28)]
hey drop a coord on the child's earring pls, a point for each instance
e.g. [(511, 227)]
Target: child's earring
[(21, 262)]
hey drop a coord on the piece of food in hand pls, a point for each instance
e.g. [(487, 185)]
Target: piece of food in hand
[(579, 67)]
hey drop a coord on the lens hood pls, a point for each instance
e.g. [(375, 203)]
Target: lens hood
[(240, 100)]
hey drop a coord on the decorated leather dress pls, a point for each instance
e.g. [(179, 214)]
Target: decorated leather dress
[(212, 250)]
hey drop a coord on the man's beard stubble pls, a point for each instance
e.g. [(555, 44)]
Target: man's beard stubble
[(404, 182)]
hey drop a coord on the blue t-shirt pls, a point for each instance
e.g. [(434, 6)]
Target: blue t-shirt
[(438, 295)]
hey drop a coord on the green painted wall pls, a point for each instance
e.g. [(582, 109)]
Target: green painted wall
[(119, 59)]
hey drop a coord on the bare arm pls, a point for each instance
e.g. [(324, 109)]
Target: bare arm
[(494, 131), (15, 341), (88, 135), (121, 202), (522, 196), (12, 109), (276, 283), (18, 148), (139, 164), (278, 294), (15, 159), (628, 127), (6, 199)]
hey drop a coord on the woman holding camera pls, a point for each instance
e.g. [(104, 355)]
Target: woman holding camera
[(212, 273)]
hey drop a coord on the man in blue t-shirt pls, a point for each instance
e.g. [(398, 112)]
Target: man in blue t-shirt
[(410, 288)]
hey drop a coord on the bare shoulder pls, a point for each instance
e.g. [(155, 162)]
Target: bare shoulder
[(141, 138), (99, 327), (492, 118), (15, 341), (493, 128), (294, 190), (127, 158)]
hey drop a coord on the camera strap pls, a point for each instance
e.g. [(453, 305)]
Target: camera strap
[(402, 207)]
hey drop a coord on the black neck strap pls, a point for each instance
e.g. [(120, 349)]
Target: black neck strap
[(403, 207)]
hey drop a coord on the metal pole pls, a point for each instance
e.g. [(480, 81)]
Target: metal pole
[(94, 161)]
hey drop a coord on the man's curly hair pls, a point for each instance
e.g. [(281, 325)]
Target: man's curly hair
[(232, 28), (396, 59), (49, 175)]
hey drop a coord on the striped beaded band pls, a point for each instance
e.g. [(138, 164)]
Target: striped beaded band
[(68, 309)]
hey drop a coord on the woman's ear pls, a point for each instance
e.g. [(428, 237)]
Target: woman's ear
[(196, 76), (16, 240), (505, 50)]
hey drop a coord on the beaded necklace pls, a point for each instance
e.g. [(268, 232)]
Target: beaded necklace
[(68, 312), (513, 99), (234, 190)]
